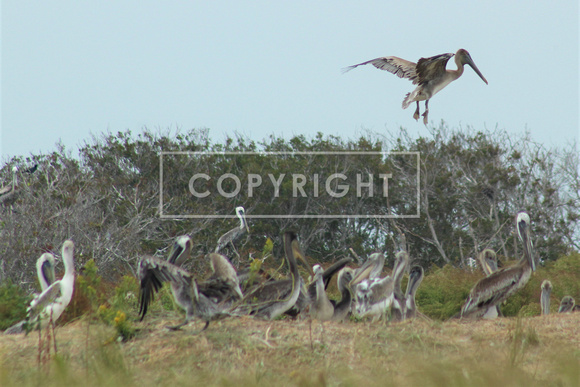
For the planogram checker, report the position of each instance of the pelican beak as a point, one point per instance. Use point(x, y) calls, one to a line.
point(469, 61)
point(298, 254)
point(527, 241)
point(363, 272)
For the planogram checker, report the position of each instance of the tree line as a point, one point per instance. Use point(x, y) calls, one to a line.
point(450, 194)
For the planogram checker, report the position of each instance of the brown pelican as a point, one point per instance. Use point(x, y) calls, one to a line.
point(269, 300)
point(398, 308)
point(45, 273)
point(375, 296)
point(372, 268)
point(321, 308)
point(545, 296)
point(48, 306)
point(234, 233)
point(342, 307)
point(429, 73)
point(8, 192)
point(567, 305)
point(488, 260)
point(154, 271)
point(496, 288)
point(415, 278)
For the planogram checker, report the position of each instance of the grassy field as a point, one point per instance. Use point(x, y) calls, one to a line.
point(531, 351)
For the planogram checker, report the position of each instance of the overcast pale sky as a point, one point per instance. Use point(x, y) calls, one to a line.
point(72, 68)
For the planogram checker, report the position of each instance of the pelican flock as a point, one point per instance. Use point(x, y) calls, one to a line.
point(429, 74)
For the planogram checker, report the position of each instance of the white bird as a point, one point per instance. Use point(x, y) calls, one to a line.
point(49, 305)
point(45, 273)
point(545, 297)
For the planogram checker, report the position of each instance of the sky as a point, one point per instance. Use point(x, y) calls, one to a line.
point(73, 69)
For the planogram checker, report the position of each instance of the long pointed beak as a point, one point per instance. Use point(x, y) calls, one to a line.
point(474, 67)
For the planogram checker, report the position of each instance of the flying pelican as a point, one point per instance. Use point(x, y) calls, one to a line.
point(488, 260)
point(545, 297)
point(234, 233)
point(429, 73)
point(567, 305)
point(496, 288)
point(398, 310)
point(153, 271)
point(8, 192)
point(415, 278)
point(48, 306)
point(45, 273)
point(342, 307)
point(269, 300)
point(321, 308)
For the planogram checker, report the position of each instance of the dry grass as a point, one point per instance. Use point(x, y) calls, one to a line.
point(508, 352)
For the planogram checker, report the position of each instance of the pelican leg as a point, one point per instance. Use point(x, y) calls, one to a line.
point(426, 112)
point(202, 329)
point(177, 327)
point(416, 114)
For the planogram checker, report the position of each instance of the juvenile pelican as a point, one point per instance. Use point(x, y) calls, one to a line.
point(342, 307)
point(415, 278)
point(496, 288)
point(372, 268)
point(375, 296)
point(234, 233)
point(48, 306)
point(488, 260)
point(398, 309)
point(429, 73)
point(545, 297)
point(45, 270)
point(45, 273)
point(223, 285)
point(271, 299)
point(321, 308)
point(7, 193)
point(153, 271)
point(567, 305)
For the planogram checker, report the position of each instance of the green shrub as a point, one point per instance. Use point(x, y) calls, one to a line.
point(13, 304)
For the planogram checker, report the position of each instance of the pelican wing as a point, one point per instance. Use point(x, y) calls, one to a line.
point(225, 276)
point(492, 290)
point(152, 273)
point(400, 67)
point(43, 300)
point(432, 68)
point(381, 289)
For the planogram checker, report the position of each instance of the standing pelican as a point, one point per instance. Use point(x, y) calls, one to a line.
point(45, 273)
point(545, 297)
point(49, 305)
point(321, 308)
point(154, 271)
point(342, 307)
point(223, 285)
point(8, 192)
point(398, 309)
point(567, 305)
point(415, 278)
point(45, 270)
point(269, 300)
point(488, 260)
point(496, 288)
point(234, 233)
point(429, 73)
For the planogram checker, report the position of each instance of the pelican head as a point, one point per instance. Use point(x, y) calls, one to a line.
point(463, 57)
point(241, 213)
point(181, 250)
point(372, 268)
point(523, 226)
point(488, 260)
point(545, 297)
point(317, 270)
point(567, 304)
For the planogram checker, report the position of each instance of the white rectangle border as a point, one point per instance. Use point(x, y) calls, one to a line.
point(250, 216)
